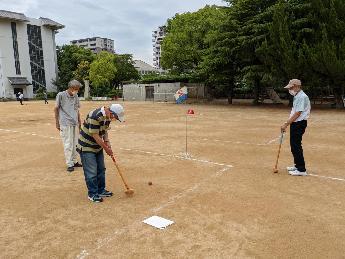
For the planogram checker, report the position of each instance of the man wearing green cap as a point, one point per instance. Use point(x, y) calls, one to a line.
point(93, 138)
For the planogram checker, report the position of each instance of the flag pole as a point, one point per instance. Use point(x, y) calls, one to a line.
point(186, 134)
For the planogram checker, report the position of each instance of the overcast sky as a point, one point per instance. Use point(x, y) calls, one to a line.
point(129, 22)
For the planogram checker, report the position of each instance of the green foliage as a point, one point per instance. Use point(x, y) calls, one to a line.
point(40, 93)
point(68, 59)
point(51, 95)
point(253, 44)
point(105, 70)
point(115, 93)
point(125, 69)
point(186, 38)
point(165, 78)
point(102, 71)
point(82, 71)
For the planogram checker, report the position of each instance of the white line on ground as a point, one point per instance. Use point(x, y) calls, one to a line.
point(28, 133)
point(328, 177)
point(189, 190)
point(211, 140)
point(157, 154)
point(272, 141)
point(177, 157)
point(173, 199)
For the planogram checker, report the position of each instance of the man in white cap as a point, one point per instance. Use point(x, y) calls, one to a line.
point(93, 138)
point(298, 123)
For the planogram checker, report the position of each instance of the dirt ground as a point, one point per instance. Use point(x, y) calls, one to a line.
point(225, 200)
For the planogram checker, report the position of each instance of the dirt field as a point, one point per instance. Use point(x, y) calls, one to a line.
point(225, 201)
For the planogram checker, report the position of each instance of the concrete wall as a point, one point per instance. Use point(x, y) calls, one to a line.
point(2, 89)
point(165, 91)
point(195, 90)
point(134, 92)
point(162, 91)
point(7, 57)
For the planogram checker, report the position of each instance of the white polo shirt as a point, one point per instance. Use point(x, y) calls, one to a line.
point(301, 103)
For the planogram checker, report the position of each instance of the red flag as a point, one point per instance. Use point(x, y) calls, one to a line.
point(190, 111)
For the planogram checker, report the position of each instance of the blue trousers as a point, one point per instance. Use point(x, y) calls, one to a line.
point(94, 171)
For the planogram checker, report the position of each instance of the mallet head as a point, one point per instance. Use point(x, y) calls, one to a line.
point(129, 192)
point(275, 170)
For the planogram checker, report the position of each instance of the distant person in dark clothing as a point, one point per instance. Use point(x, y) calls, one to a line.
point(45, 98)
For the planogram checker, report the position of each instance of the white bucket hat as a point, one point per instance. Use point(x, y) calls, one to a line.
point(118, 110)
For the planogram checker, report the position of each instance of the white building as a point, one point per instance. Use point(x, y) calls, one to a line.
point(27, 54)
point(157, 38)
point(95, 44)
point(144, 69)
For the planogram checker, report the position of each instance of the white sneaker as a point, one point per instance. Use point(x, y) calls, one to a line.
point(298, 173)
point(291, 168)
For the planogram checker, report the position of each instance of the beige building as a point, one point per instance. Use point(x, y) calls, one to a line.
point(95, 44)
point(27, 54)
point(144, 69)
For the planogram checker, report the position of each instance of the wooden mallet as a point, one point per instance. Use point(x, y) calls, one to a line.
point(128, 191)
point(275, 169)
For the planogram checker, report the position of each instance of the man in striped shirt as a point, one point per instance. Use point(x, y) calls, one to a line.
point(93, 138)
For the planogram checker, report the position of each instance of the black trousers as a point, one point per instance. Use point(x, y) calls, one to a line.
point(21, 101)
point(297, 130)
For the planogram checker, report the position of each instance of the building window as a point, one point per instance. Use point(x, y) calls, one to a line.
point(15, 47)
point(36, 57)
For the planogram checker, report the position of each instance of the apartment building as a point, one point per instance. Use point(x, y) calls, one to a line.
point(27, 54)
point(157, 38)
point(95, 44)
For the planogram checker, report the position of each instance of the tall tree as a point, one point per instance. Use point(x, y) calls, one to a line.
point(68, 59)
point(102, 72)
point(82, 71)
point(327, 56)
point(218, 66)
point(125, 69)
point(252, 19)
point(185, 43)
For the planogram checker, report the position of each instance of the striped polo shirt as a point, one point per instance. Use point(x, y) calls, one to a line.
point(95, 123)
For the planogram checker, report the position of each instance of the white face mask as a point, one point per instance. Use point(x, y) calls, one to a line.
point(292, 92)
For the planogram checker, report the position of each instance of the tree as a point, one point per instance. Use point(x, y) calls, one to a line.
point(252, 19)
point(102, 72)
point(218, 66)
point(327, 55)
point(125, 69)
point(82, 71)
point(185, 43)
point(68, 59)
